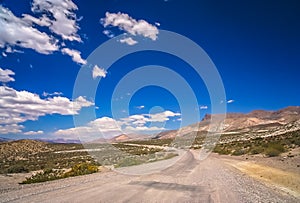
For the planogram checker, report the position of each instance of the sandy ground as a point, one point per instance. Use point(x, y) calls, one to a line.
point(283, 162)
point(282, 171)
point(215, 179)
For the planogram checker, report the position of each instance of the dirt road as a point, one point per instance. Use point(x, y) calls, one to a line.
point(190, 180)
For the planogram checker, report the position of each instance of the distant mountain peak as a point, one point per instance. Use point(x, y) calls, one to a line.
point(255, 121)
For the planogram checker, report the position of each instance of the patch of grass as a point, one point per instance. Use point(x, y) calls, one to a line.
point(129, 161)
point(256, 150)
point(221, 149)
point(18, 168)
point(271, 152)
point(274, 149)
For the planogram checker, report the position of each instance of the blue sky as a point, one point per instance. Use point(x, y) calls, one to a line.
point(253, 44)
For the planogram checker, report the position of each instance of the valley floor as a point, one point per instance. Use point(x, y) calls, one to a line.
point(216, 179)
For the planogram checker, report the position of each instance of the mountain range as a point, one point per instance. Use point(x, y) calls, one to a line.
point(257, 123)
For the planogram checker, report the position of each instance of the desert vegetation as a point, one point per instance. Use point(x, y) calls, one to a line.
point(158, 142)
point(50, 161)
point(269, 146)
point(54, 174)
point(128, 154)
point(29, 155)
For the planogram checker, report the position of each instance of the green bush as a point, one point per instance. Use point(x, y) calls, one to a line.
point(271, 152)
point(221, 150)
point(277, 146)
point(129, 161)
point(238, 152)
point(81, 169)
point(46, 175)
point(17, 169)
point(296, 141)
point(52, 174)
point(256, 150)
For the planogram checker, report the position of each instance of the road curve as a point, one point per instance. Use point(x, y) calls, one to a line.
point(189, 180)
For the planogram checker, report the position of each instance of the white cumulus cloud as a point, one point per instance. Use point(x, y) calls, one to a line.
point(16, 107)
point(11, 128)
point(16, 31)
point(131, 129)
point(111, 127)
point(40, 132)
point(203, 107)
point(98, 72)
point(141, 119)
point(63, 21)
point(162, 117)
point(92, 130)
point(25, 32)
point(129, 41)
point(20, 106)
point(43, 21)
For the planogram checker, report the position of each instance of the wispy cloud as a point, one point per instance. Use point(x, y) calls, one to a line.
point(203, 107)
point(5, 75)
point(131, 26)
point(108, 33)
point(46, 94)
point(76, 55)
point(140, 107)
point(144, 129)
point(230, 101)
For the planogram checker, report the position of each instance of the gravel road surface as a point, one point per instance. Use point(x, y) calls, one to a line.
point(189, 180)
